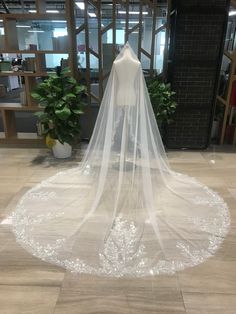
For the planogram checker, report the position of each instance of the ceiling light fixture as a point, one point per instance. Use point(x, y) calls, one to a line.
point(35, 31)
point(32, 11)
point(231, 13)
point(52, 11)
point(80, 5)
point(23, 26)
point(58, 21)
point(133, 12)
point(92, 14)
point(130, 22)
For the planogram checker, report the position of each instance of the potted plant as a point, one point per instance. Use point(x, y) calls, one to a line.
point(163, 102)
point(61, 98)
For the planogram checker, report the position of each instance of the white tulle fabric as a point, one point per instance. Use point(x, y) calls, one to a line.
point(122, 211)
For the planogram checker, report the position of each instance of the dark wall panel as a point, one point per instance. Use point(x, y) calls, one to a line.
point(196, 48)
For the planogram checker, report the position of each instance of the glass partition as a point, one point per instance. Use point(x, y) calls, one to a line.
point(103, 28)
point(42, 35)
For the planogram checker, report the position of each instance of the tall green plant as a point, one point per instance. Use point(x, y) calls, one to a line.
point(163, 100)
point(61, 97)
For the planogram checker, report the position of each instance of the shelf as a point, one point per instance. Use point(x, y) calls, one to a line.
point(35, 51)
point(21, 138)
point(21, 73)
point(27, 141)
point(10, 45)
point(34, 16)
point(18, 107)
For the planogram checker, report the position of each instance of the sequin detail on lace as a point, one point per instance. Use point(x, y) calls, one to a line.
point(122, 254)
point(122, 250)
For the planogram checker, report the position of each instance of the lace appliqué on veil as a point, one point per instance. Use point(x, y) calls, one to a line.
point(122, 254)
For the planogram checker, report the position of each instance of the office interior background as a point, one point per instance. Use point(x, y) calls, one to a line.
point(189, 44)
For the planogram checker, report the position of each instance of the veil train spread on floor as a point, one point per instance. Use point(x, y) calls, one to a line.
point(122, 211)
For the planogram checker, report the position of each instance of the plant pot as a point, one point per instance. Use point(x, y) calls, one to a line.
point(61, 150)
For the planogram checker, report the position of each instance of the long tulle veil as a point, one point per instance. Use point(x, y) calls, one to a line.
point(122, 211)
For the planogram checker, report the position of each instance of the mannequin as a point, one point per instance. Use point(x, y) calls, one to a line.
point(126, 69)
point(126, 94)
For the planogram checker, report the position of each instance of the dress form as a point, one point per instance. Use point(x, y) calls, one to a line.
point(126, 94)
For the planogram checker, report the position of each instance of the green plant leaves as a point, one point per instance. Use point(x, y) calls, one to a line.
point(36, 96)
point(65, 71)
point(62, 100)
point(63, 114)
point(77, 111)
point(42, 116)
point(79, 89)
point(60, 104)
point(162, 99)
point(70, 80)
point(69, 96)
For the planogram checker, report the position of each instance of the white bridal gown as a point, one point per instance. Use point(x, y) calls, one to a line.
point(122, 211)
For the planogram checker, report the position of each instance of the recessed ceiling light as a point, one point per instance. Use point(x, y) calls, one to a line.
point(80, 5)
point(231, 13)
point(52, 11)
point(23, 26)
point(133, 12)
point(58, 21)
point(35, 31)
point(32, 11)
point(130, 22)
point(92, 14)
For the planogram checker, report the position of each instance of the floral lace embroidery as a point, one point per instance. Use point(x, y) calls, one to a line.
point(121, 254)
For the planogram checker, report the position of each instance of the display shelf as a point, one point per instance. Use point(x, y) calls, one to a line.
point(23, 136)
point(27, 51)
point(21, 73)
point(22, 140)
point(227, 97)
point(10, 134)
point(18, 107)
point(11, 45)
point(228, 108)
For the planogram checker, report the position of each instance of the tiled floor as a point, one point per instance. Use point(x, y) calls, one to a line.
point(28, 285)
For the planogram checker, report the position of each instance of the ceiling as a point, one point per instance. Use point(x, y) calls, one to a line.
point(21, 6)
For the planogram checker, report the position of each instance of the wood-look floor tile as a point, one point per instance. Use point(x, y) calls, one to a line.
point(209, 303)
point(213, 276)
point(31, 275)
point(28, 299)
point(13, 254)
point(92, 294)
point(29, 285)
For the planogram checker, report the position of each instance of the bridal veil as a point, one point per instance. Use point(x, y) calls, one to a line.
point(122, 211)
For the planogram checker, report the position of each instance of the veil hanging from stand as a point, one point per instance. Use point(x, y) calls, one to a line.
point(122, 211)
